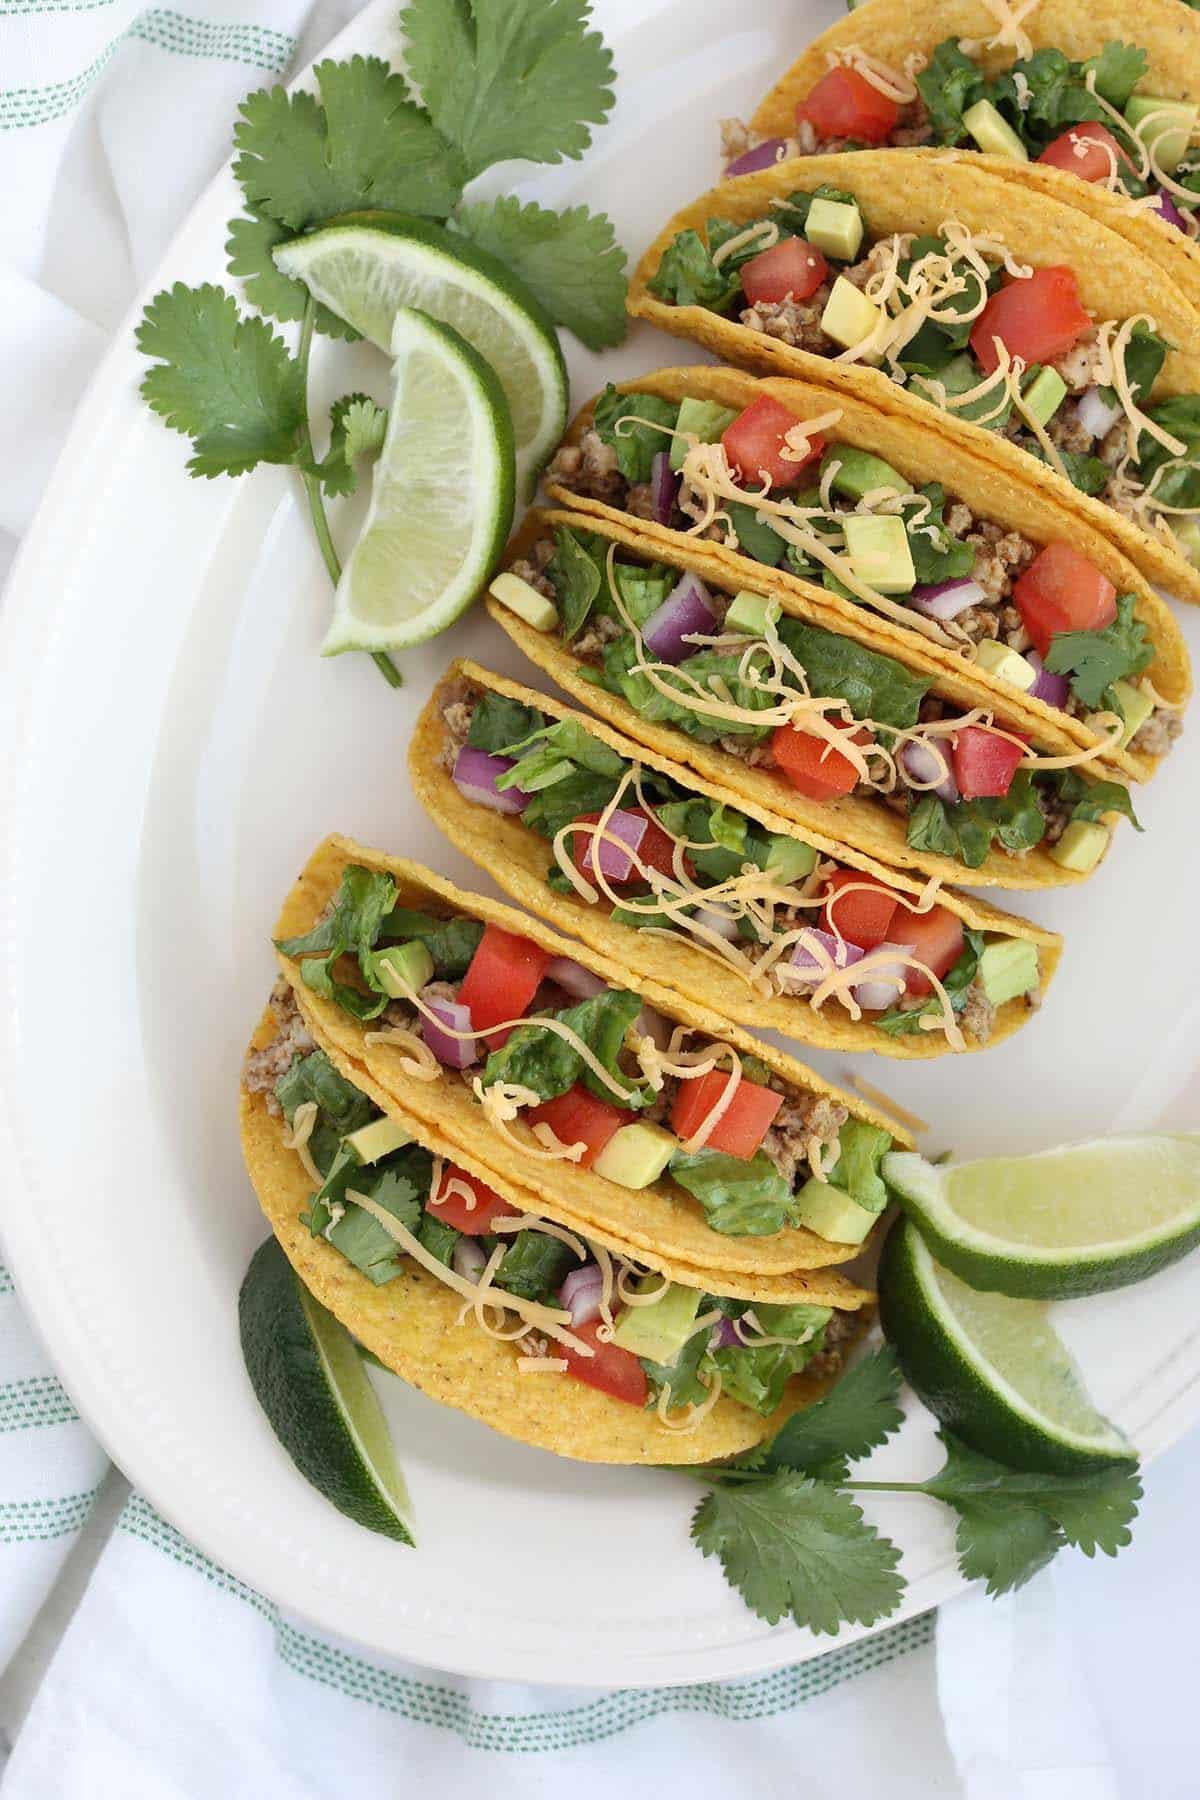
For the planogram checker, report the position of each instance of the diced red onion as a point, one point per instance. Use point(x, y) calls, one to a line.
point(1055, 690)
point(724, 1335)
point(475, 775)
point(577, 981)
point(651, 1024)
point(580, 1293)
point(946, 599)
point(615, 859)
point(1164, 205)
point(1097, 415)
point(808, 969)
point(451, 1052)
point(884, 982)
point(926, 765)
point(664, 486)
point(467, 1258)
point(763, 156)
point(687, 610)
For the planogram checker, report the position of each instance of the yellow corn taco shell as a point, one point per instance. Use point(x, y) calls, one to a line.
point(857, 822)
point(891, 30)
point(659, 1221)
point(519, 861)
point(412, 1325)
point(991, 491)
point(912, 190)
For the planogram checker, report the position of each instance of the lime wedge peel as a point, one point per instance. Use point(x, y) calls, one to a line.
point(441, 500)
point(367, 266)
point(991, 1369)
point(1082, 1219)
point(308, 1375)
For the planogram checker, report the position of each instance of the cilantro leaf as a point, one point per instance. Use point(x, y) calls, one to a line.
point(852, 1419)
point(967, 829)
point(364, 143)
point(948, 84)
point(1095, 659)
point(577, 571)
point(509, 78)
point(793, 1548)
point(497, 721)
point(1091, 799)
point(570, 261)
point(248, 255)
point(1012, 1522)
point(227, 382)
point(357, 429)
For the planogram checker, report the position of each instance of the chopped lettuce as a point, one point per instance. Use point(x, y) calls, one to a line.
point(540, 1059)
point(636, 443)
point(534, 1265)
point(757, 1376)
point(937, 554)
point(861, 1149)
point(741, 1197)
point(620, 677)
point(956, 981)
point(873, 686)
point(497, 721)
point(450, 942)
point(577, 572)
point(967, 830)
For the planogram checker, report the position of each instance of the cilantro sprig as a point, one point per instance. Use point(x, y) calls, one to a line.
point(791, 1538)
point(488, 80)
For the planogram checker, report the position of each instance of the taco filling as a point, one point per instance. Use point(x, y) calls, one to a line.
point(784, 917)
point(1085, 117)
point(568, 1306)
point(601, 1080)
point(957, 321)
point(829, 716)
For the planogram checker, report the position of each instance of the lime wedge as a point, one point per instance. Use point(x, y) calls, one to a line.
point(441, 499)
point(308, 1375)
point(992, 1370)
point(366, 266)
point(1078, 1220)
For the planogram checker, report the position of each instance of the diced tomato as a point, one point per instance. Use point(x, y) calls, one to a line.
point(790, 269)
point(864, 916)
point(935, 937)
point(845, 105)
point(984, 762)
point(1085, 150)
point(1036, 319)
point(1062, 591)
point(613, 1370)
point(504, 975)
point(742, 1126)
point(754, 444)
point(578, 1117)
point(453, 1209)
point(656, 850)
point(817, 771)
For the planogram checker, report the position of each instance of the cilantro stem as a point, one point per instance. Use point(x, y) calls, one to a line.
point(316, 499)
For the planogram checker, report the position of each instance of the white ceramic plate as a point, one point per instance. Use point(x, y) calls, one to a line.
point(173, 748)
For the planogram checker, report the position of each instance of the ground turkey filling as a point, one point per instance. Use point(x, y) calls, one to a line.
point(978, 1015)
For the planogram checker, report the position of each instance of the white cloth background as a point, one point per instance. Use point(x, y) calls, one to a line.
point(133, 1669)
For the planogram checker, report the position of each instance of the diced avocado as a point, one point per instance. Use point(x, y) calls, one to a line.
point(959, 376)
point(849, 316)
point(380, 1138)
point(878, 548)
point(636, 1155)
point(1007, 968)
point(403, 967)
point(790, 860)
point(749, 613)
point(1189, 540)
point(1044, 395)
point(659, 1332)
point(525, 601)
point(993, 133)
point(832, 1214)
point(1005, 664)
point(704, 420)
point(1136, 708)
point(836, 227)
point(1166, 127)
point(1081, 846)
point(858, 473)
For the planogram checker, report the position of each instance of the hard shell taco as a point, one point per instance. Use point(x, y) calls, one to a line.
point(677, 881)
point(949, 558)
point(482, 1303)
point(777, 698)
point(1020, 327)
point(624, 1111)
point(1094, 105)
